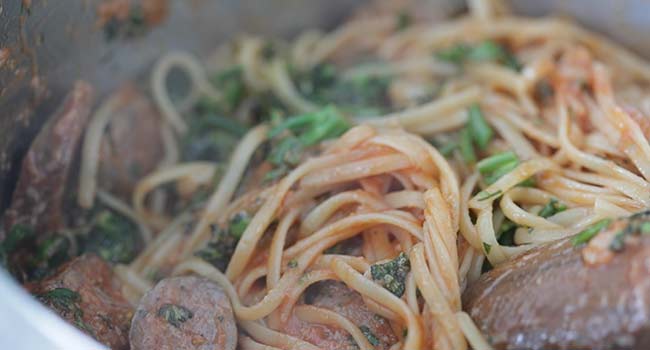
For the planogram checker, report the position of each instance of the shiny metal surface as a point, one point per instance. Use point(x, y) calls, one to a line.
point(59, 42)
point(26, 324)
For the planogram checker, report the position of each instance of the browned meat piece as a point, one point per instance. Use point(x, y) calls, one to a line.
point(549, 298)
point(336, 296)
point(185, 312)
point(38, 198)
point(132, 145)
point(85, 292)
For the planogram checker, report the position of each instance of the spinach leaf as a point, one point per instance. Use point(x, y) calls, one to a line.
point(392, 274)
point(551, 208)
point(220, 248)
point(66, 302)
point(175, 314)
point(290, 137)
point(359, 95)
point(113, 237)
point(372, 338)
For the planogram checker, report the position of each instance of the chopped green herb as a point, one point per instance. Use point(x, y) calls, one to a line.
point(212, 135)
point(455, 54)
point(392, 274)
point(269, 51)
point(66, 302)
point(288, 151)
point(403, 20)
point(372, 339)
point(587, 234)
point(551, 208)
point(293, 263)
point(480, 130)
point(507, 238)
point(448, 148)
point(405, 332)
point(238, 224)
point(357, 95)
point(638, 224)
point(618, 242)
point(495, 167)
point(487, 247)
point(506, 233)
point(62, 298)
point(315, 126)
point(17, 235)
point(304, 278)
point(495, 162)
point(506, 226)
point(210, 116)
point(484, 51)
point(529, 182)
point(499, 173)
point(645, 228)
point(484, 195)
point(53, 251)
point(321, 77)
point(221, 246)
point(230, 82)
point(219, 249)
point(466, 147)
point(290, 137)
point(175, 314)
point(275, 173)
point(361, 95)
point(113, 237)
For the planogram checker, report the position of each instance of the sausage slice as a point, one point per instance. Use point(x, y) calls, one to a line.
point(85, 293)
point(184, 312)
point(337, 297)
point(550, 298)
point(132, 145)
point(38, 199)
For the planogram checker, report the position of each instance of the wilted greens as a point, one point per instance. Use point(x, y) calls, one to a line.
point(113, 237)
point(291, 136)
point(484, 51)
point(392, 274)
point(358, 95)
point(175, 314)
point(66, 302)
point(224, 240)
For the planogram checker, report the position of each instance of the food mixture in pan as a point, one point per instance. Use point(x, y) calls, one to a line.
point(397, 183)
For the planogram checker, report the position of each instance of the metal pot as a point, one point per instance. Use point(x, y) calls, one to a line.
point(46, 45)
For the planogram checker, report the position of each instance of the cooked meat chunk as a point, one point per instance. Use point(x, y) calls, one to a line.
point(185, 312)
point(550, 298)
point(85, 292)
point(132, 145)
point(38, 198)
point(336, 296)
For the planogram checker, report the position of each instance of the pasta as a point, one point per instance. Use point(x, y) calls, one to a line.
point(384, 153)
point(510, 133)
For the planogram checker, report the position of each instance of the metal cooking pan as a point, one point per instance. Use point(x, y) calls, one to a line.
point(47, 45)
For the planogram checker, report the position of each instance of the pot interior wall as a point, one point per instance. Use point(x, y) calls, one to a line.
point(45, 47)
